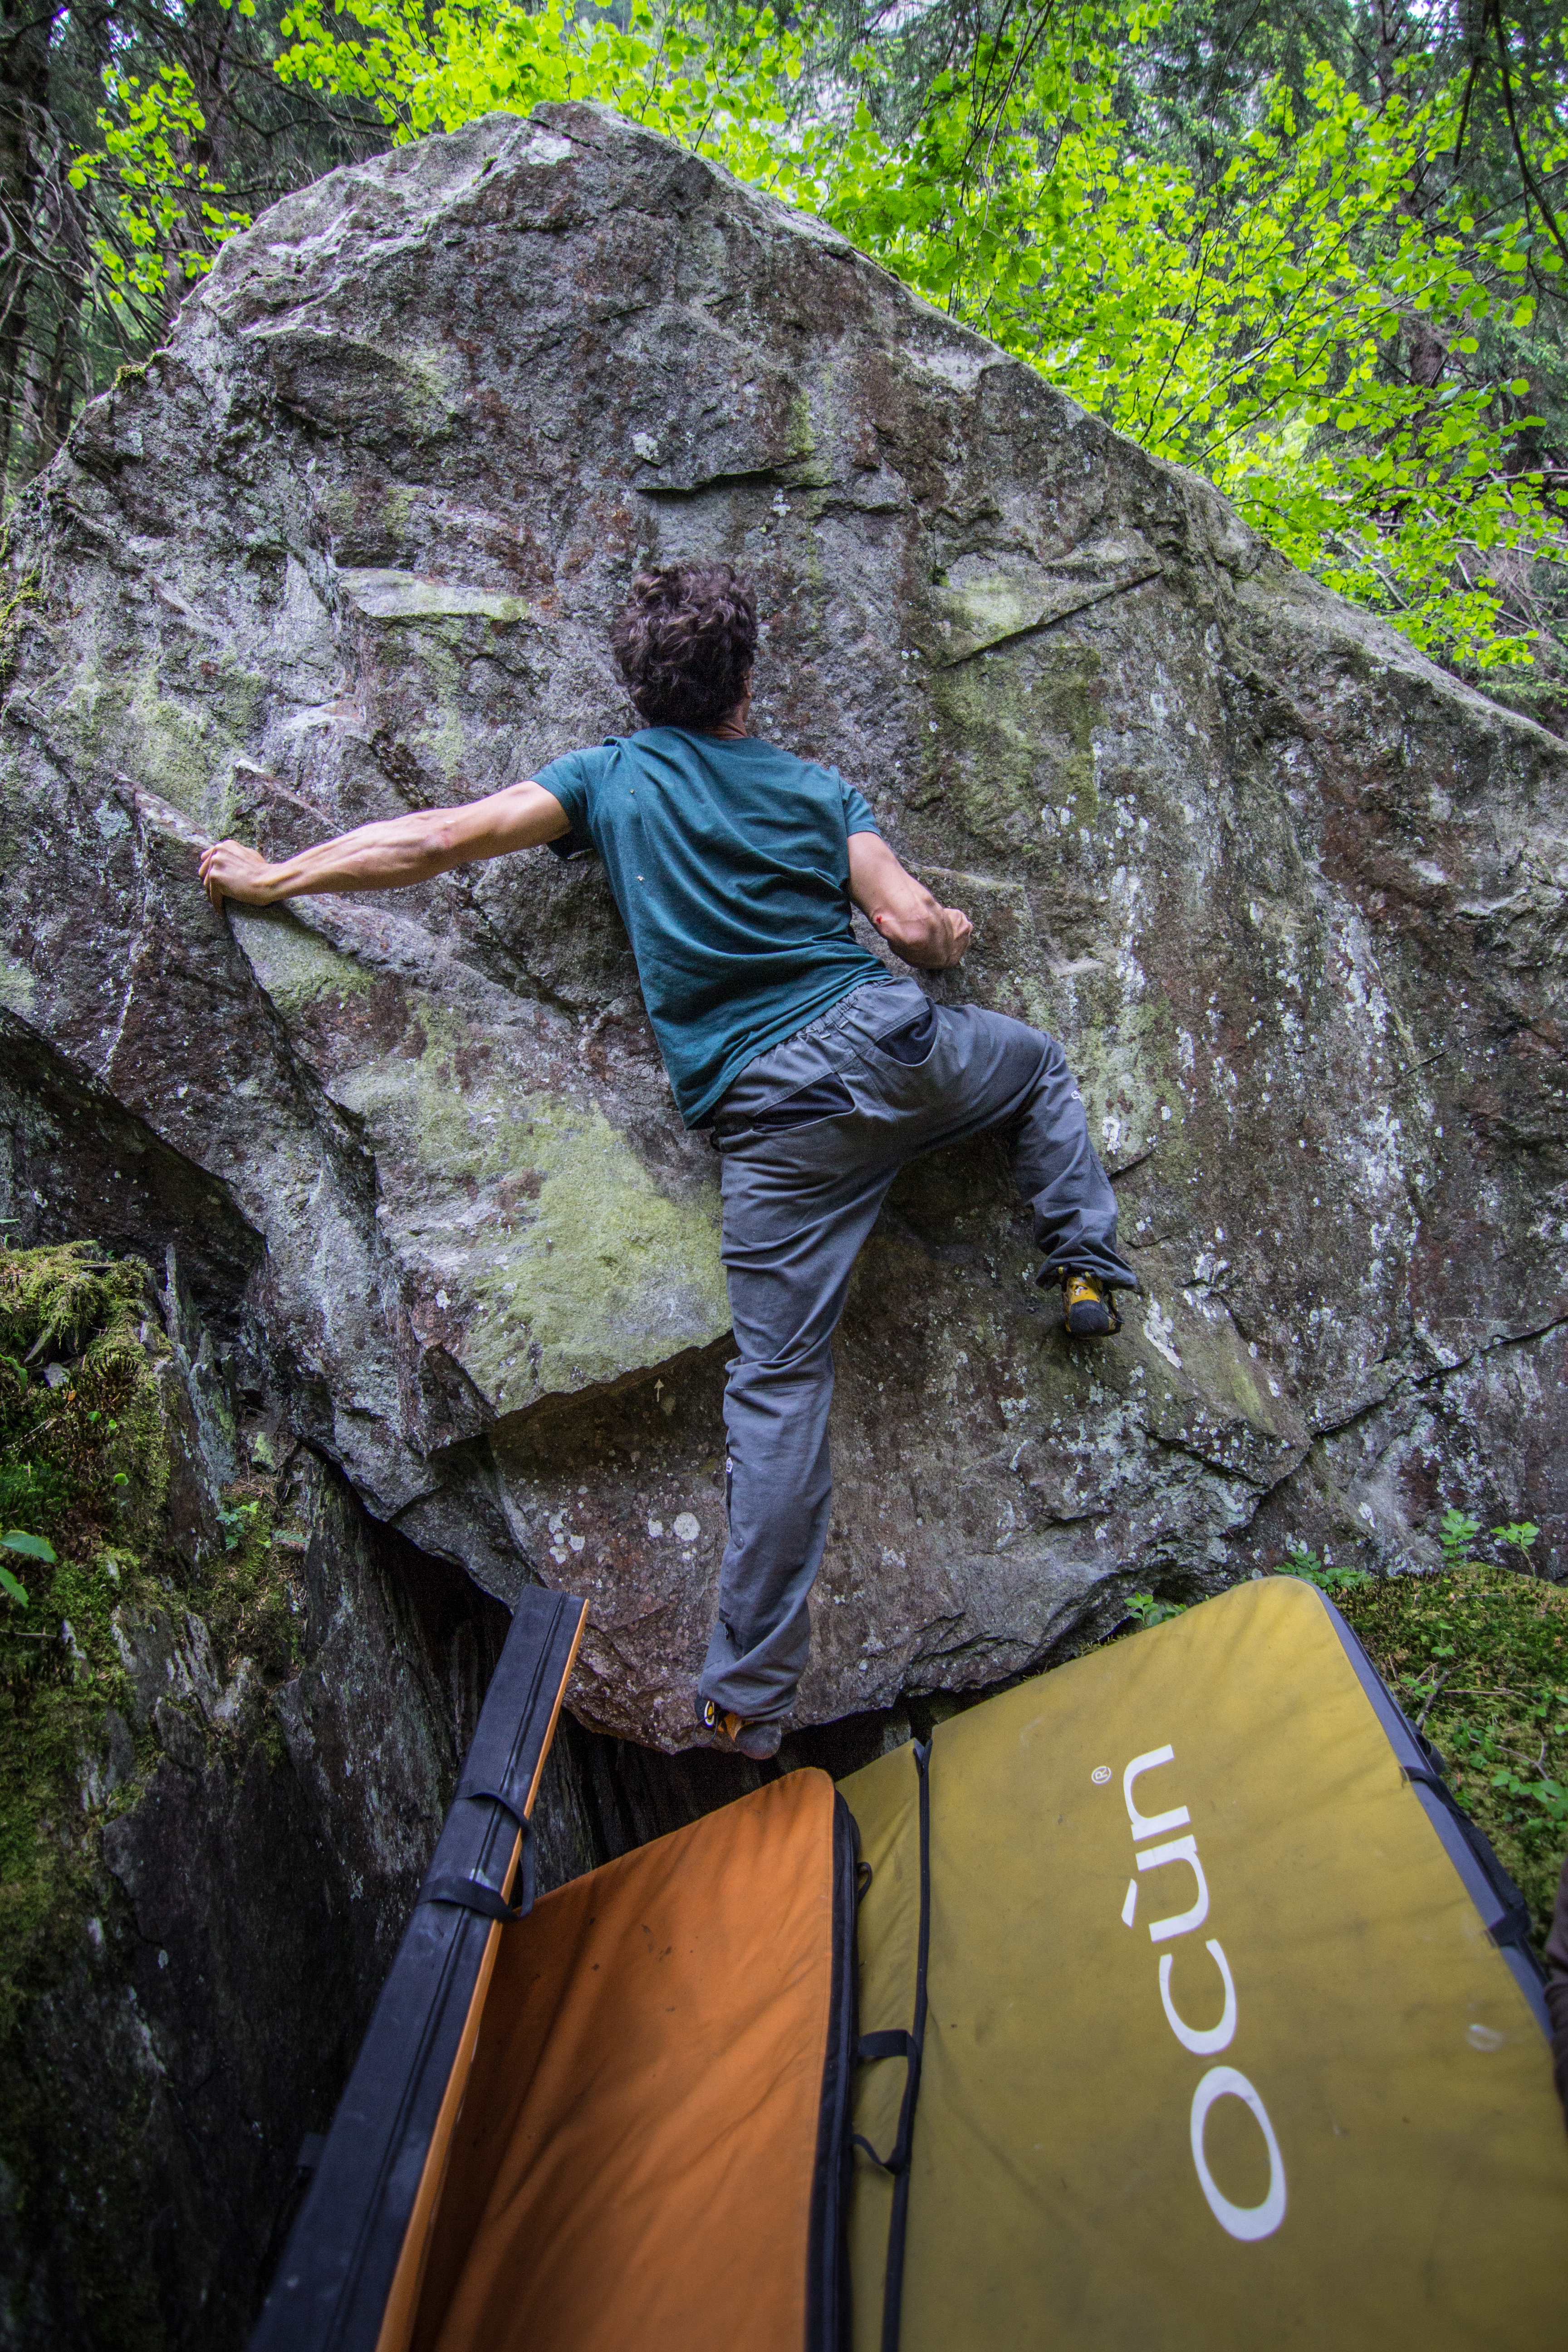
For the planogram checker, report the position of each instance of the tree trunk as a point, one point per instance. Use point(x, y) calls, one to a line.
point(23, 104)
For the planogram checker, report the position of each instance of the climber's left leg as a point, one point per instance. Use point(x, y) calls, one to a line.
point(799, 1200)
point(791, 1237)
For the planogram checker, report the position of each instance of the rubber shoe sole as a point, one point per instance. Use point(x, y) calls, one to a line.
point(1089, 1312)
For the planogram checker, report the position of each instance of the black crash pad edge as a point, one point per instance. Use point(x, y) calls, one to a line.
point(329, 2292)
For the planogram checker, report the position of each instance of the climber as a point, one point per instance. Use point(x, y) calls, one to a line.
point(817, 1073)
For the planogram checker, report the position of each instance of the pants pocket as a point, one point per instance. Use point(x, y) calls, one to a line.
point(823, 1097)
point(913, 1041)
point(743, 1118)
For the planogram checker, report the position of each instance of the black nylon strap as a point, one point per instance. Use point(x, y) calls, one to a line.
point(469, 1894)
point(501, 1797)
point(893, 2041)
point(330, 2289)
point(473, 1894)
point(1514, 1927)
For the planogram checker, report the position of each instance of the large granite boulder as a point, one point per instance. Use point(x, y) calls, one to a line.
point(1291, 897)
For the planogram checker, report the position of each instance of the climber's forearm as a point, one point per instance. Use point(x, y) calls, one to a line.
point(391, 855)
point(386, 856)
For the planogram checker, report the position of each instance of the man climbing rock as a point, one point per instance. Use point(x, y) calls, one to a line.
point(819, 1076)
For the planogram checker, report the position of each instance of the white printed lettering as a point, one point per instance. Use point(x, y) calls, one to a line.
point(1182, 1923)
point(1152, 1824)
point(1247, 2222)
point(1209, 2041)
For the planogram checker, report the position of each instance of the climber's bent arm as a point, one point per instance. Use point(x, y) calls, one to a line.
point(389, 857)
point(918, 929)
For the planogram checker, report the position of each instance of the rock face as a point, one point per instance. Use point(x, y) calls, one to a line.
point(223, 1782)
point(1292, 898)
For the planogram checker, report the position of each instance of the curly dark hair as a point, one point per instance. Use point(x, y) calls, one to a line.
point(686, 642)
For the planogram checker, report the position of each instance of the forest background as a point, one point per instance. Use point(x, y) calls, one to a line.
point(1318, 252)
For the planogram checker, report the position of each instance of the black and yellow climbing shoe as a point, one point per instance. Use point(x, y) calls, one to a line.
point(1090, 1306)
point(757, 1740)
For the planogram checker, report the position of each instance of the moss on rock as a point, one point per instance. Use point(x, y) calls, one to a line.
point(89, 1428)
point(561, 1262)
point(292, 964)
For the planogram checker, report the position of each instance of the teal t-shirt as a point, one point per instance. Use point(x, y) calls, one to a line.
point(730, 863)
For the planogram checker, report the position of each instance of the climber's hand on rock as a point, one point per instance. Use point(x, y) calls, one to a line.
point(960, 931)
point(934, 940)
point(229, 870)
point(932, 937)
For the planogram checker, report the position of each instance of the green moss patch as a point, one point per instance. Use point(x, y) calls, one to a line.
point(292, 964)
point(152, 1566)
point(85, 1454)
point(80, 1427)
point(578, 1266)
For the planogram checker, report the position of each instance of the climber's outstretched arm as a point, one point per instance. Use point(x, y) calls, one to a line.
point(917, 928)
point(389, 857)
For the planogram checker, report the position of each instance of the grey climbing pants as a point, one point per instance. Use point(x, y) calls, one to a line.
point(813, 1132)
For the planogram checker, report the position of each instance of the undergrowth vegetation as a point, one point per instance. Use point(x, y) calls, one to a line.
point(1477, 1658)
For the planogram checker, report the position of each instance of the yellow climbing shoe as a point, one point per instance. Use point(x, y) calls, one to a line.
point(1091, 1314)
point(758, 1740)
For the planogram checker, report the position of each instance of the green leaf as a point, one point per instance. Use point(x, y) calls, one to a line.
point(1456, 1534)
point(31, 1547)
point(1146, 1610)
point(11, 1588)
